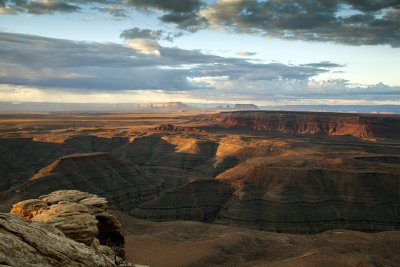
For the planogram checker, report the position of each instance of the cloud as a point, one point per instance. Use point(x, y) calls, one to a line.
point(37, 7)
point(349, 22)
point(144, 46)
point(245, 53)
point(324, 64)
point(173, 6)
point(182, 13)
point(116, 12)
point(40, 7)
point(50, 64)
point(34, 61)
point(136, 33)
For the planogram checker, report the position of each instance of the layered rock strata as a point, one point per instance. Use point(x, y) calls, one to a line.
point(288, 200)
point(200, 200)
point(124, 184)
point(20, 158)
point(31, 243)
point(358, 125)
point(81, 216)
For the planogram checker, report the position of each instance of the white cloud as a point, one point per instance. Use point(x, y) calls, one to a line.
point(145, 47)
point(245, 53)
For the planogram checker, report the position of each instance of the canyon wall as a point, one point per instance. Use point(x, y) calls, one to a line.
point(358, 125)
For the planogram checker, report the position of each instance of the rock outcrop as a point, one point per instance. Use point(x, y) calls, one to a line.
point(29, 208)
point(81, 216)
point(358, 125)
point(29, 243)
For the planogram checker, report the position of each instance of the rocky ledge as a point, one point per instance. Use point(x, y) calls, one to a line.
point(64, 228)
point(27, 243)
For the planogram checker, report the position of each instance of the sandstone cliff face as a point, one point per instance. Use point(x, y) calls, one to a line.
point(357, 125)
point(80, 216)
point(122, 183)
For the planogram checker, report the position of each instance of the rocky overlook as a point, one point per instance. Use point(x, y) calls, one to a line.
point(66, 227)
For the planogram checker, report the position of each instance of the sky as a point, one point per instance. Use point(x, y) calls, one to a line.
point(266, 52)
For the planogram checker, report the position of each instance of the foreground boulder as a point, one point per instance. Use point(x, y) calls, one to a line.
point(80, 216)
point(29, 243)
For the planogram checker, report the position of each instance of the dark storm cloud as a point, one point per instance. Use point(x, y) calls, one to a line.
point(363, 22)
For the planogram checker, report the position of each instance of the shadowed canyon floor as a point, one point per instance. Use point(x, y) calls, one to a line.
point(183, 243)
point(291, 172)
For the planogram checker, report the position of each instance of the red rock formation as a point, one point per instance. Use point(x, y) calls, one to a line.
point(358, 125)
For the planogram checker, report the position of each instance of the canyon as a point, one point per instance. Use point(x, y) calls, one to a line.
point(260, 171)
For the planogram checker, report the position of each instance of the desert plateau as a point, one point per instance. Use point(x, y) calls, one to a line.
point(199, 133)
point(244, 188)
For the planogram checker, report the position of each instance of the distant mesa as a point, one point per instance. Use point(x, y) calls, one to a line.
point(245, 107)
point(171, 106)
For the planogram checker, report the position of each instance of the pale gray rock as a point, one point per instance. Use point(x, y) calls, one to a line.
point(73, 219)
point(27, 243)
